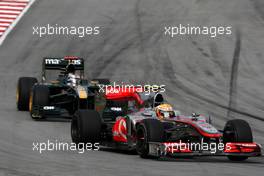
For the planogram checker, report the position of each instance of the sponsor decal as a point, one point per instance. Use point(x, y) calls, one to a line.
point(48, 107)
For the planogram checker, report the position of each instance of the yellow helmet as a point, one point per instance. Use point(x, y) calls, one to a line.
point(164, 111)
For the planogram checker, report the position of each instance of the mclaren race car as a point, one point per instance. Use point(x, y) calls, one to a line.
point(61, 91)
point(132, 120)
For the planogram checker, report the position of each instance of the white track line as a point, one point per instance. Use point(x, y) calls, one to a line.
point(18, 1)
point(7, 16)
point(12, 4)
point(9, 12)
point(6, 20)
point(4, 35)
point(10, 7)
point(21, 0)
point(4, 24)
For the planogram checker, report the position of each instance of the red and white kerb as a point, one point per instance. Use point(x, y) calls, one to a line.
point(9, 12)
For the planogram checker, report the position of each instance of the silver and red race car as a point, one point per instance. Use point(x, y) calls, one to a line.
point(132, 120)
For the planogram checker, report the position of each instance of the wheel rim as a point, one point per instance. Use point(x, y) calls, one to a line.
point(74, 131)
point(141, 139)
point(17, 95)
point(30, 102)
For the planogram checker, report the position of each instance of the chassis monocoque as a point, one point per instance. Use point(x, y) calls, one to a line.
point(119, 125)
point(56, 98)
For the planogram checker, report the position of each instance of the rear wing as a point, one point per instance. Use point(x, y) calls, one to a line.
point(61, 63)
point(56, 63)
point(138, 93)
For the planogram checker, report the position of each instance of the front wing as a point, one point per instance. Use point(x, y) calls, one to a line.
point(48, 111)
point(234, 149)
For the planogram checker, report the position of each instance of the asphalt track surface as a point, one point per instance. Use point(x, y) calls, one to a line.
point(132, 47)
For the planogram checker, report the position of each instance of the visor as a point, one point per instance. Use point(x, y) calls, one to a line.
point(167, 114)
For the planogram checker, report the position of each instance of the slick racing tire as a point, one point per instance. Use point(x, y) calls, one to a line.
point(86, 127)
point(149, 130)
point(102, 81)
point(38, 97)
point(24, 86)
point(237, 130)
point(75, 134)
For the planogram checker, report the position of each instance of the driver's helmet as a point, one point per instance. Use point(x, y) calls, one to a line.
point(72, 77)
point(164, 111)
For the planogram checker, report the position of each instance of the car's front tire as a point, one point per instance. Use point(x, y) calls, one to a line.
point(86, 127)
point(39, 97)
point(24, 87)
point(102, 81)
point(75, 134)
point(237, 130)
point(149, 130)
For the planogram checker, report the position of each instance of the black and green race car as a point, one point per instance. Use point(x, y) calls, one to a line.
point(61, 92)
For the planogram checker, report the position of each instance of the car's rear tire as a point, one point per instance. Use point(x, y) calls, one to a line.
point(102, 81)
point(149, 130)
point(24, 87)
point(75, 134)
point(39, 97)
point(237, 130)
point(86, 127)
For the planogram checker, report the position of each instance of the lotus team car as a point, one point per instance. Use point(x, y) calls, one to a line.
point(60, 93)
point(131, 120)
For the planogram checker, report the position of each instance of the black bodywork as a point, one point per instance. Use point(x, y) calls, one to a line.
point(64, 99)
